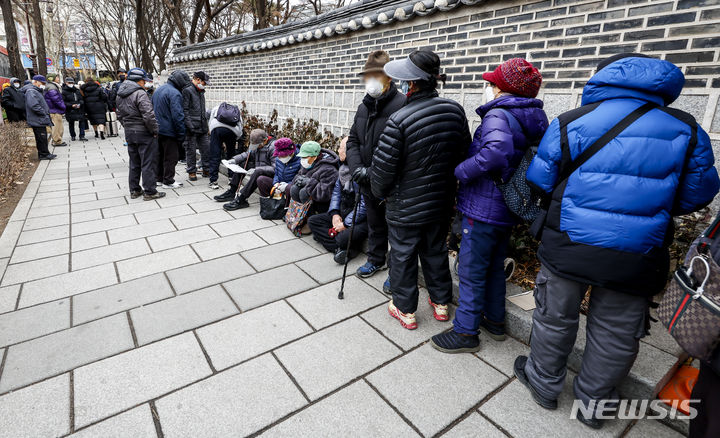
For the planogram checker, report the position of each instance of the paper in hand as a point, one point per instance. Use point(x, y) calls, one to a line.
point(233, 167)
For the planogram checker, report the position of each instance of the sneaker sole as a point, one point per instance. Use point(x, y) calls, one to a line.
point(456, 350)
point(371, 274)
point(436, 315)
point(495, 337)
point(409, 327)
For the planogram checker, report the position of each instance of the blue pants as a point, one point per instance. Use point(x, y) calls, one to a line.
point(482, 277)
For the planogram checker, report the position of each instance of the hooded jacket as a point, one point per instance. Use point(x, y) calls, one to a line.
point(13, 98)
point(285, 172)
point(73, 96)
point(54, 98)
point(496, 152)
point(112, 94)
point(320, 178)
point(415, 159)
point(369, 122)
point(196, 120)
point(37, 112)
point(342, 201)
point(610, 223)
point(95, 103)
point(168, 104)
point(134, 109)
point(261, 159)
point(215, 123)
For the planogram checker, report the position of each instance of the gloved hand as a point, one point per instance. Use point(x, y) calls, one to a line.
point(300, 181)
point(282, 186)
point(250, 171)
point(303, 195)
point(295, 193)
point(361, 175)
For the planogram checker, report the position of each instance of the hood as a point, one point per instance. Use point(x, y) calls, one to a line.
point(14, 80)
point(29, 86)
point(90, 86)
point(49, 86)
point(179, 79)
point(650, 79)
point(328, 157)
point(127, 88)
point(528, 112)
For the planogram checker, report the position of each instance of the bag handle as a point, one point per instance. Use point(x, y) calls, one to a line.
point(698, 293)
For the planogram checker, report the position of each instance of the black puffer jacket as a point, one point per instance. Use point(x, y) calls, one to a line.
point(414, 163)
point(370, 120)
point(134, 109)
point(319, 180)
point(196, 121)
point(95, 103)
point(73, 96)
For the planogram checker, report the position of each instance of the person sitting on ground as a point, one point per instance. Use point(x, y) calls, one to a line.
point(332, 229)
point(316, 180)
point(223, 133)
point(287, 165)
point(257, 160)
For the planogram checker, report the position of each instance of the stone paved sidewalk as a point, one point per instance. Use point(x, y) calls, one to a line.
point(174, 318)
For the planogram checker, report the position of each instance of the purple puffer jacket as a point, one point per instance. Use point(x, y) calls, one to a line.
point(54, 98)
point(495, 152)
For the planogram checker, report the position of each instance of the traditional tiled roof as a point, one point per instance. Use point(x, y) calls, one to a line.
point(357, 16)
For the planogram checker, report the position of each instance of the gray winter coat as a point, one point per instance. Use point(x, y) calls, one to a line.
point(196, 121)
point(37, 111)
point(134, 109)
point(260, 159)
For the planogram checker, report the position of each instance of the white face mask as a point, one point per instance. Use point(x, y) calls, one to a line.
point(71, 85)
point(374, 88)
point(489, 94)
point(252, 147)
point(305, 163)
point(148, 84)
point(285, 160)
point(16, 85)
point(404, 87)
point(200, 86)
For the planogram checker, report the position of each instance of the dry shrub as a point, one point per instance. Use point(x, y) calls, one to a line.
point(297, 130)
point(14, 156)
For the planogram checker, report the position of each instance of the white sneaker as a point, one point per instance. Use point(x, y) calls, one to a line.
point(175, 185)
point(214, 185)
point(158, 184)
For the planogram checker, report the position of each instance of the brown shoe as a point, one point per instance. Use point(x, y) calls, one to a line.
point(193, 177)
point(206, 174)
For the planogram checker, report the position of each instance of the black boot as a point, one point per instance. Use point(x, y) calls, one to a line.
point(96, 134)
point(102, 135)
point(237, 204)
point(229, 195)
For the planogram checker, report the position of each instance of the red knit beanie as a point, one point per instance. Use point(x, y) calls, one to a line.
point(516, 76)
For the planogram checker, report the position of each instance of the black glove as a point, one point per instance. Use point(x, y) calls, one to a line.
point(303, 195)
point(360, 175)
point(300, 181)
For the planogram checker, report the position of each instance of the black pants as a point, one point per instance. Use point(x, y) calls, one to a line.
point(378, 230)
point(321, 223)
point(71, 128)
point(251, 183)
point(707, 390)
point(41, 140)
point(14, 115)
point(428, 242)
point(143, 151)
point(220, 137)
point(167, 159)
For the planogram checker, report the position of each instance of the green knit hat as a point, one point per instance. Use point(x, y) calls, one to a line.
point(309, 149)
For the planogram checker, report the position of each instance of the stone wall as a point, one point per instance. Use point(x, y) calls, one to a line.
point(310, 71)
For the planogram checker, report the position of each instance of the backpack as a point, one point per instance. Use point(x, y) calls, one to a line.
point(228, 114)
point(520, 199)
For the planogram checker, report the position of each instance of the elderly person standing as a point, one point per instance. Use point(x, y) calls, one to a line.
point(54, 99)
point(196, 124)
point(37, 115)
point(168, 106)
point(75, 108)
point(13, 101)
point(413, 170)
point(512, 121)
point(381, 100)
point(135, 112)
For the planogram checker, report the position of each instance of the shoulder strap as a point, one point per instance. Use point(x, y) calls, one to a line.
point(585, 155)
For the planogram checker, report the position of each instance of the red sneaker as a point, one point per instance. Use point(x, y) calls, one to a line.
point(440, 311)
point(406, 319)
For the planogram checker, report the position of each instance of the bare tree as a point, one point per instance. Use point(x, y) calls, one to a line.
point(200, 20)
point(13, 47)
point(40, 40)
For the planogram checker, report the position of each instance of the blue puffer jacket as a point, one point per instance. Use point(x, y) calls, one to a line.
point(286, 172)
point(496, 152)
point(342, 201)
point(611, 223)
point(168, 105)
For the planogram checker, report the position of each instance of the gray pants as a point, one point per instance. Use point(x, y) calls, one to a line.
point(194, 142)
point(615, 324)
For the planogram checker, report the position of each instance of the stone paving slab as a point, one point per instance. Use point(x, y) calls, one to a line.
point(324, 269)
point(236, 243)
point(650, 428)
point(179, 238)
point(252, 333)
point(262, 288)
point(474, 426)
point(241, 225)
point(178, 314)
point(275, 234)
point(46, 221)
point(348, 350)
point(135, 423)
point(156, 262)
point(321, 307)
point(236, 402)
point(430, 405)
point(65, 285)
point(8, 297)
point(41, 410)
point(111, 385)
point(206, 218)
point(63, 351)
point(35, 269)
point(202, 274)
point(109, 254)
point(88, 241)
point(32, 322)
point(140, 231)
point(40, 250)
point(35, 236)
point(353, 411)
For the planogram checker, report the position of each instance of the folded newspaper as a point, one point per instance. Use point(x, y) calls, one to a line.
point(234, 167)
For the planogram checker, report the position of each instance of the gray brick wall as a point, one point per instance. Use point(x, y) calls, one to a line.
point(565, 39)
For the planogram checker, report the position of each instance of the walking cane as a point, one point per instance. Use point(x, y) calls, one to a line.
point(341, 294)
